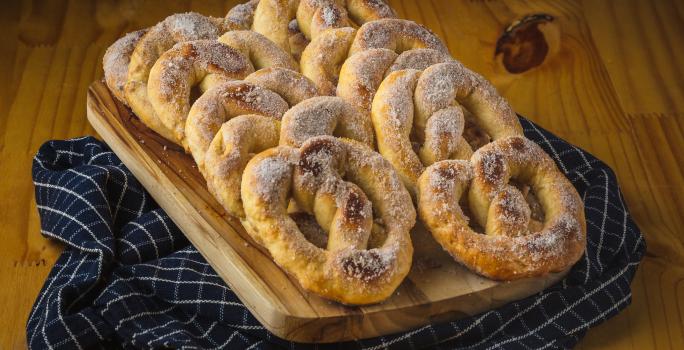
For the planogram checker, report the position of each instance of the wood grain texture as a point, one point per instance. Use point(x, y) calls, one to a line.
point(615, 89)
point(437, 288)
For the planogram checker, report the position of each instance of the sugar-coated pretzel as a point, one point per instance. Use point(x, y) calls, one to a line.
point(324, 115)
point(323, 58)
point(509, 248)
point(347, 270)
point(393, 120)
point(205, 63)
point(418, 120)
point(174, 29)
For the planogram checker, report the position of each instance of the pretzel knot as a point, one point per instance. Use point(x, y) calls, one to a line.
point(343, 184)
point(419, 117)
point(517, 242)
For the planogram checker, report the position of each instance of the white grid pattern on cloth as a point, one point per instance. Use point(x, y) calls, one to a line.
point(129, 278)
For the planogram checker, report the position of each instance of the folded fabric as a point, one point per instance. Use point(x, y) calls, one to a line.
point(128, 277)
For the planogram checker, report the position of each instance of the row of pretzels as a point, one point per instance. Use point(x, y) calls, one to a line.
point(323, 125)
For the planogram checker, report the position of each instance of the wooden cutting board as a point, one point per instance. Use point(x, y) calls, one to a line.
point(437, 289)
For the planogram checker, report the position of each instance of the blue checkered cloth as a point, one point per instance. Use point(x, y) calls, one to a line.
point(128, 277)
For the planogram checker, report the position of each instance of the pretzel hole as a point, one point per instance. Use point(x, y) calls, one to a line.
point(475, 135)
point(312, 231)
point(472, 223)
point(195, 93)
point(537, 215)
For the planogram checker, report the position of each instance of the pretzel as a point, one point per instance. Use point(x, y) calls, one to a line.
point(347, 270)
point(323, 57)
point(324, 115)
point(509, 248)
point(161, 37)
point(414, 109)
point(202, 62)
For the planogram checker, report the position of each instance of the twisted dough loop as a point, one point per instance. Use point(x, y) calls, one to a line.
point(260, 51)
point(291, 24)
point(116, 60)
point(174, 29)
point(324, 115)
point(290, 85)
point(203, 62)
point(346, 271)
point(508, 249)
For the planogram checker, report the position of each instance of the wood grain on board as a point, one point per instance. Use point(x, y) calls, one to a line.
point(614, 88)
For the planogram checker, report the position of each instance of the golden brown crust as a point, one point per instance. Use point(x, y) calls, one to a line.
point(345, 271)
point(508, 249)
point(260, 51)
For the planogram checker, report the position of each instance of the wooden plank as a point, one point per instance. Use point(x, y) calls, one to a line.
point(643, 55)
point(437, 288)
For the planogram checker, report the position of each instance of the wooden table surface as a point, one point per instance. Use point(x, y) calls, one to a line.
point(615, 87)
